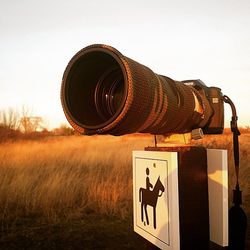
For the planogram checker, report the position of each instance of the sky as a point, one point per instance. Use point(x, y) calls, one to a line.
point(189, 39)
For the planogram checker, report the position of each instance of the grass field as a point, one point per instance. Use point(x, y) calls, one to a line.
point(58, 185)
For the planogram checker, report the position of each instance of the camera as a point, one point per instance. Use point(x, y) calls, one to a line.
point(214, 95)
point(105, 92)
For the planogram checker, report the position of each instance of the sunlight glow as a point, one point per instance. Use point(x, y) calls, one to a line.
point(208, 40)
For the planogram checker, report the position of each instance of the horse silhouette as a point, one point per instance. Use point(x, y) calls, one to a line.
point(148, 197)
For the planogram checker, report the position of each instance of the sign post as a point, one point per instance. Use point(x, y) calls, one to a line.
point(174, 190)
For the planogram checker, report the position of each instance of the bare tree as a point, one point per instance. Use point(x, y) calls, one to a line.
point(9, 119)
point(30, 123)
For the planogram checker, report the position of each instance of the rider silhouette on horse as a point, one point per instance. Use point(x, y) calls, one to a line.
point(149, 196)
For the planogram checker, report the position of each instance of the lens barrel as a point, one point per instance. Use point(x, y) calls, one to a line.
point(104, 92)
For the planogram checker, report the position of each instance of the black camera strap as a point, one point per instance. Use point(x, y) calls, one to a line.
point(237, 216)
point(236, 134)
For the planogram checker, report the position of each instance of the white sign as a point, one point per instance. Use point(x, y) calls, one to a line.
point(156, 197)
point(218, 195)
point(156, 205)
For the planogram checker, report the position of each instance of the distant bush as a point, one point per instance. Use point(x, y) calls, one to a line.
point(20, 124)
point(63, 130)
point(7, 134)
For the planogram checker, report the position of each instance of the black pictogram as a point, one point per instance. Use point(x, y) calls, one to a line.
point(149, 196)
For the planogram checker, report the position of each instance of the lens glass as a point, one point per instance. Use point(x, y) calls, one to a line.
point(95, 88)
point(109, 93)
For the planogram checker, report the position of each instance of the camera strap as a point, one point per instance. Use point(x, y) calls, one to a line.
point(236, 133)
point(237, 216)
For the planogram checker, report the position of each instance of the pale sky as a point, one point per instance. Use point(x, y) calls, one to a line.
point(207, 40)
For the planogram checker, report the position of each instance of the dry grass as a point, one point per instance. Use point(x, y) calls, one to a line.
point(67, 176)
point(71, 176)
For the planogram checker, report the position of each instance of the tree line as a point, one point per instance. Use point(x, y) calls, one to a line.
point(21, 124)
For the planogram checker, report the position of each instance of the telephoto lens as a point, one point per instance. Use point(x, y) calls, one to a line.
point(104, 92)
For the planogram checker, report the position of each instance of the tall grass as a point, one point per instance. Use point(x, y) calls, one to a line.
point(68, 177)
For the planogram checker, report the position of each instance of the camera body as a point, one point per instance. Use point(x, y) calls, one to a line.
point(214, 95)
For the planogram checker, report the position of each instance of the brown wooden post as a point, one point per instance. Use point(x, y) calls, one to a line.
point(193, 196)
